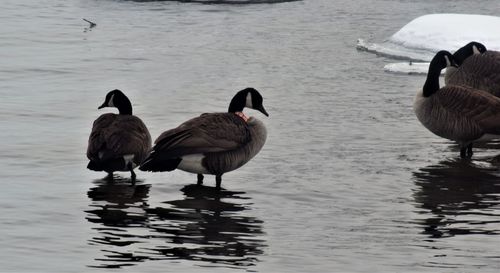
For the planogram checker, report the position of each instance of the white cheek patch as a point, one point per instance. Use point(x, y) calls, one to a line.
point(249, 100)
point(448, 63)
point(475, 50)
point(110, 102)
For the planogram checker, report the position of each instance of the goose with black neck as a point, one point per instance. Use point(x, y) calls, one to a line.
point(456, 112)
point(478, 68)
point(213, 143)
point(118, 142)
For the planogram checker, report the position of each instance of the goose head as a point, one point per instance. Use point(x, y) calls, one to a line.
point(117, 99)
point(248, 97)
point(468, 50)
point(441, 60)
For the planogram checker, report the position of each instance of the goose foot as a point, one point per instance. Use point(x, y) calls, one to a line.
point(218, 181)
point(200, 179)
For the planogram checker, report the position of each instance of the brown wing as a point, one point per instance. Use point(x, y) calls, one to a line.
point(97, 139)
point(480, 107)
point(479, 71)
point(117, 135)
point(213, 132)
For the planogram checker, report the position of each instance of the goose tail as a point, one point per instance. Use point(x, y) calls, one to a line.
point(108, 165)
point(152, 164)
point(94, 166)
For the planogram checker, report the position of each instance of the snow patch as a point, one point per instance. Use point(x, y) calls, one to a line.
point(420, 39)
point(408, 68)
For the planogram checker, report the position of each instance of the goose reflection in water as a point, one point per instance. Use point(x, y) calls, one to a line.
point(204, 227)
point(463, 197)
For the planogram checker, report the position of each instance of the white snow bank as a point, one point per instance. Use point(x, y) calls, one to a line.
point(436, 32)
point(421, 38)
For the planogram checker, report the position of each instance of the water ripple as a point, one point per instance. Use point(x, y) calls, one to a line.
point(458, 197)
point(206, 227)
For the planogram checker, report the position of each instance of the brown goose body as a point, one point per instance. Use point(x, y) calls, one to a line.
point(117, 137)
point(213, 143)
point(118, 142)
point(459, 113)
point(479, 71)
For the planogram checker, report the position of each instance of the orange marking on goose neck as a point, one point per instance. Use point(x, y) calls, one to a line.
point(241, 115)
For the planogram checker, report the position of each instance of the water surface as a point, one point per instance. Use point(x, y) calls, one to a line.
point(348, 180)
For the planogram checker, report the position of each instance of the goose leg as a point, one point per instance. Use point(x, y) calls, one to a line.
point(218, 181)
point(109, 177)
point(462, 152)
point(469, 151)
point(200, 179)
point(132, 173)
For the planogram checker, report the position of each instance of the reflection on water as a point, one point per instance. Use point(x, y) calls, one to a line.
point(203, 227)
point(462, 196)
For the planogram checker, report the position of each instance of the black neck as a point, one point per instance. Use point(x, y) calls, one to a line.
point(125, 110)
point(124, 106)
point(238, 102)
point(460, 55)
point(431, 85)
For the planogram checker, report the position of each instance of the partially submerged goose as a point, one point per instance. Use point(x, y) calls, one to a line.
point(459, 113)
point(213, 143)
point(477, 68)
point(118, 142)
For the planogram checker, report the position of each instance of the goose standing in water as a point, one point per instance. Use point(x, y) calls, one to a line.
point(118, 142)
point(459, 113)
point(478, 68)
point(213, 143)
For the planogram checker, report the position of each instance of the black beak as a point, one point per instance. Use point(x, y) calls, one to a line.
point(262, 110)
point(102, 106)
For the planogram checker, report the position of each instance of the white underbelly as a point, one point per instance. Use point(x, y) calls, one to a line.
point(193, 164)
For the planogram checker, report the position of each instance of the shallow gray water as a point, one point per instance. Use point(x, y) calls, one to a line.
point(348, 180)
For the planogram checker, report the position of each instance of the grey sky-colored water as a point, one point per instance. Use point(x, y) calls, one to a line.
point(348, 180)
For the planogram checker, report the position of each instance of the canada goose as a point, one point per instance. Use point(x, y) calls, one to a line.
point(118, 142)
point(459, 113)
point(213, 143)
point(460, 55)
point(477, 68)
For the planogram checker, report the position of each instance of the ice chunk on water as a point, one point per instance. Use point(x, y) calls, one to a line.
point(421, 38)
point(436, 32)
point(408, 68)
point(394, 51)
